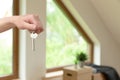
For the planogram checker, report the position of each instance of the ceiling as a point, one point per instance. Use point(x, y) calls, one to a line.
point(109, 11)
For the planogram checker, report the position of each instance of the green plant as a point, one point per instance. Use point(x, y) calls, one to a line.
point(81, 57)
point(75, 61)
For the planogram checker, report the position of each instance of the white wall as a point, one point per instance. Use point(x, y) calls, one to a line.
point(32, 63)
point(109, 11)
point(109, 49)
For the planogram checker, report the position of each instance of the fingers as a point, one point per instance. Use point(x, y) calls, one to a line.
point(34, 22)
point(28, 22)
point(38, 31)
point(29, 26)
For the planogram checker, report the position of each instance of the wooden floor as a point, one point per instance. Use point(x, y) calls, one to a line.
point(97, 76)
point(54, 75)
point(53, 78)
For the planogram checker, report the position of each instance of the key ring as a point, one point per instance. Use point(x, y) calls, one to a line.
point(33, 35)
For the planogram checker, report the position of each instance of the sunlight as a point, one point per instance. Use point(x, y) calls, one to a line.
point(62, 40)
point(5, 8)
point(6, 39)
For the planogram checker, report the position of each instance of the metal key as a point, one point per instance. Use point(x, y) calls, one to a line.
point(33, 36)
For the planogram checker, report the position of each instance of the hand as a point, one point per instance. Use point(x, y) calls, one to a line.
point(29, 22)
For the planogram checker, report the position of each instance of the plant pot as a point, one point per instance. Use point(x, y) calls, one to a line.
point(81, 64)
point(76, 66)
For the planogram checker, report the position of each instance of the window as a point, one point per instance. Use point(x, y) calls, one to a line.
point(9, 43)
point(65, 37)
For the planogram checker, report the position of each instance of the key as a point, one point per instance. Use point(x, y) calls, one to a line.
point(33, 36)
point(33, 44)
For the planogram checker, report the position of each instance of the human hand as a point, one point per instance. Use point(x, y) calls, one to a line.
point(29, 22)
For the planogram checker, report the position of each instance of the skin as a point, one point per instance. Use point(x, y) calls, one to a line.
point(26, 22)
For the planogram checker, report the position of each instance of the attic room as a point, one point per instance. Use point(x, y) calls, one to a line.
point(96, 20)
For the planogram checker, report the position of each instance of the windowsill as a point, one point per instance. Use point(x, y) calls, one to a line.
point(54, 74)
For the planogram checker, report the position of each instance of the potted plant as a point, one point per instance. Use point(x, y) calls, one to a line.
point(81, 57)
point(76, 63)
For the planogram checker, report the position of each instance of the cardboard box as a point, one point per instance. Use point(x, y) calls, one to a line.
point(71, 73)
point(98, 76)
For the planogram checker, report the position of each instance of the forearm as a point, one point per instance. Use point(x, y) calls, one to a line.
point(29, 22)
point(6, 23)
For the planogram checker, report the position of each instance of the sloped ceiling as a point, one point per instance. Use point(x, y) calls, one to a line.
point(109, 11)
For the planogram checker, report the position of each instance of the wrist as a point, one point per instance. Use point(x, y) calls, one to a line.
point(12, 21)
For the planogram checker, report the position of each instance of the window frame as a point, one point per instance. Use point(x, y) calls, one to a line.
point(15, 47)
point(78, 27)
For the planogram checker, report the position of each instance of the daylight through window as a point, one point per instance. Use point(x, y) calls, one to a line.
point(6, 38)
point(63, 41)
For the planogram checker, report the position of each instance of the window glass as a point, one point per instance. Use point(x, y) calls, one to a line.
point(63, 41)
point(6, 39)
